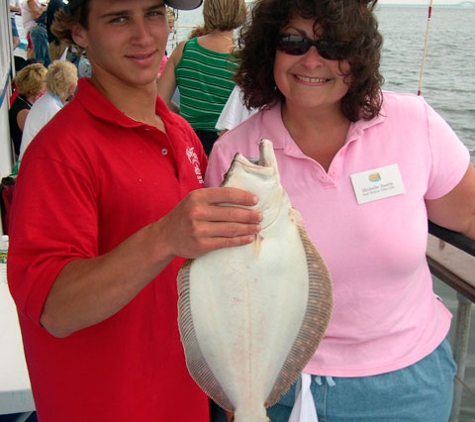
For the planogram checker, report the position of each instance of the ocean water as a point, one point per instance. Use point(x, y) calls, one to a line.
point(448, 84)
point(448, 78)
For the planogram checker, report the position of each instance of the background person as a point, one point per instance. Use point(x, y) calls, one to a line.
point(39, 39)
point(30, 11)
point(234, 112)
point(312, 67)
point(107, 206)
point(56, 47)
point(15, 9)
point(202, 68)
point(61, 83)
point(30, 85)
point(171, 26)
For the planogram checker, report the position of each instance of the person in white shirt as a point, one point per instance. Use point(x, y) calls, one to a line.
point(61, 83)
point(234, 111)
point(30, 11)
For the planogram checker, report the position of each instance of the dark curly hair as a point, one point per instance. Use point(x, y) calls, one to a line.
point(350, 21)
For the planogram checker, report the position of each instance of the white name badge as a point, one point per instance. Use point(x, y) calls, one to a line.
point(378, 183)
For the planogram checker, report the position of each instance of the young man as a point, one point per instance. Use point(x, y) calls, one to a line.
point(106, 208)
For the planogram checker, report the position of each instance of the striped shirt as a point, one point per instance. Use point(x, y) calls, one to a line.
point(204, 79)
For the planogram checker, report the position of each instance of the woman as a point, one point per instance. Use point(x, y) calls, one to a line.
point(203, 69)
point(366, 168)
point(30, 85)
point(61, 82)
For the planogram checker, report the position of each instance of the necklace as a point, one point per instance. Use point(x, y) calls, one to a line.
point(228, 38)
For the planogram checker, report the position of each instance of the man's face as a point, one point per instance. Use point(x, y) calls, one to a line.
point(125, 39)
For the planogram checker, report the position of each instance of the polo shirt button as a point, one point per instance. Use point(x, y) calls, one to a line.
point(164, 151)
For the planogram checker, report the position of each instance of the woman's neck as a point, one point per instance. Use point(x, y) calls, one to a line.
point(320, 134)
point(219, 41)
point(224, 35)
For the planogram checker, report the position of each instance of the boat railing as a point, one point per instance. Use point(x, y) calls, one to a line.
point(451, 258)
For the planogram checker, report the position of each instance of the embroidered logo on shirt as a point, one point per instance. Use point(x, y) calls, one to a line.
point(195, 162)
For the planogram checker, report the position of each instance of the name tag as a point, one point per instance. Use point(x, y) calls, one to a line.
point(379, 183)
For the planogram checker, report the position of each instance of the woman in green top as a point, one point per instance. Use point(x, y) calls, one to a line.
point(203, 68)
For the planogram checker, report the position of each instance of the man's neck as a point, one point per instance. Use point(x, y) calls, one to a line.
point(136, 102)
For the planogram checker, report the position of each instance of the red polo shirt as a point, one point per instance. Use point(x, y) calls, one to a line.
point(90, 179)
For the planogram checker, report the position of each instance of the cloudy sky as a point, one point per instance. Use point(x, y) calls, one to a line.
point(419, 2)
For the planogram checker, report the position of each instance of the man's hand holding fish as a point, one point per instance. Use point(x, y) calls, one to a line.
point(199, 225)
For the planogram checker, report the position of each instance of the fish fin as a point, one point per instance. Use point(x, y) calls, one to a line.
point(195, 361)
point(314, 324)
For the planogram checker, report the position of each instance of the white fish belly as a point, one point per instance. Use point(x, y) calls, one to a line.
point(247, 305)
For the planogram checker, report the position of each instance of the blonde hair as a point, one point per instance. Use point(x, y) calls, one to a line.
point(170, 15)
point(224, 14)
point(30, 81)
point(60, 77)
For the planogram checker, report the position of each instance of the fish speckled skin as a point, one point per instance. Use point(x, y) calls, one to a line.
point(251, 317)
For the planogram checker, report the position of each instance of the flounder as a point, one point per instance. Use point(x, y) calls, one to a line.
point(251, 317)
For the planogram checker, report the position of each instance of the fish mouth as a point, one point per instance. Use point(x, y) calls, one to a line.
point(265, 163)
point(264, 167)
point(260, 176)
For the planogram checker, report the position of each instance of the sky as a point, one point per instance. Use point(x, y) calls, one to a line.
point(419, 1)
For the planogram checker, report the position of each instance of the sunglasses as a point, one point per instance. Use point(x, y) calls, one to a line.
point(296, 45)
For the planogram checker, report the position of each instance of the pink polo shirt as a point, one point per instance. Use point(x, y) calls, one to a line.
point(386, 315)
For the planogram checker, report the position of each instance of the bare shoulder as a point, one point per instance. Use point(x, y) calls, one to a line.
point(178, 52)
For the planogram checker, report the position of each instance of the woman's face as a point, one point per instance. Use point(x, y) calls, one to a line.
point(309, 80)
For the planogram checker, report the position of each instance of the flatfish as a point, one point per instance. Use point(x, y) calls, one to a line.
point(251, 317)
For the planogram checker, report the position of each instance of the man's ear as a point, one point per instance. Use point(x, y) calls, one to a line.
point(79, 36)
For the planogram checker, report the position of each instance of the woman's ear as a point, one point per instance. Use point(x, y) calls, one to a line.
point(78, 33)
